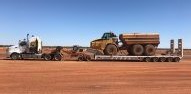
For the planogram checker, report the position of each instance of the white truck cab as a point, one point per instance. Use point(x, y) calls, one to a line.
point(25, 47)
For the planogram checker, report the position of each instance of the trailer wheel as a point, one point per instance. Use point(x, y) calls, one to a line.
point(155, 59)
point(147, 59)
point(110, 50)
point(15, 56)
point(176, 59)
point(137, 50)
point(81, 58)
point(162, 59)
point(57, 57)
point(149, 50)
point(88, 58)
point(47, 57)
point(169, 59)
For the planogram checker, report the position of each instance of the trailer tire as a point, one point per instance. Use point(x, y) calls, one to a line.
point(155, 59)
point(147, 59)
point(47, 57)
point(176, 59)
point(169, 59)
point(137, 50)
point(15, 56)
point(57, 57)
point(88, 58)
point(110, 50)
point(81, 58)
point(149, 50)
point(162, 59)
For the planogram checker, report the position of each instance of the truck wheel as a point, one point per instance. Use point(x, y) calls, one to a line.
point(149, 50)
point(81, 58)
point(15, 56)
point(176, 59)
point(162, 59)
point(137, 50)
point(110, 50)
point(57, 57)
point(155, 59)
point(147, 59)
point(169, 59)
point(88, 58)
point(47, 57)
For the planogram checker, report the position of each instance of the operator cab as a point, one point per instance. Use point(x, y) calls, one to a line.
point(108, 35)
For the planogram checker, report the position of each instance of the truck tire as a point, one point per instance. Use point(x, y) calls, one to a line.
point(15, 56)
point(110, 50)
point(149, 50)
point(81, 57)
point(176, 59)
point(47, 57)
point(155, 59)
point(88, 58)
point(162, 59)
point(169, 59)
point(147, 59)
point(137, 50)
point(57, 57)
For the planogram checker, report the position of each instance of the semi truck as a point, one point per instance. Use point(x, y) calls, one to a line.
point(136, 44)
point(31, 48)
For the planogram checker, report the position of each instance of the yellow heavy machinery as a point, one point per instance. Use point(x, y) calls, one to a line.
point(136, 44)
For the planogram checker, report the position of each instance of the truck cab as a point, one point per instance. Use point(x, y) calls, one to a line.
point(25, 46)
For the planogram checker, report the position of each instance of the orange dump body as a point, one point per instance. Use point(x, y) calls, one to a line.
point(140, 38)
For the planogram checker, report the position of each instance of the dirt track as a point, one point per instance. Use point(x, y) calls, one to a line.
point(73, 77)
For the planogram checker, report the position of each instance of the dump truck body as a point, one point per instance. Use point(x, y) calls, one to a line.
point(137, 38)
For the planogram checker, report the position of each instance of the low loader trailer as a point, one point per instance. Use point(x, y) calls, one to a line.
point(172, 55)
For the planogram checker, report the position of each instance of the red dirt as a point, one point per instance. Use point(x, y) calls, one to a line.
point(72, 77)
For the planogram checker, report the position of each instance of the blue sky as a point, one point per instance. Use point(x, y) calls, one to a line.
point(70, 22)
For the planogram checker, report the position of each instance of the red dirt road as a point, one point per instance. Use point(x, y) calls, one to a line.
point(73, 77)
